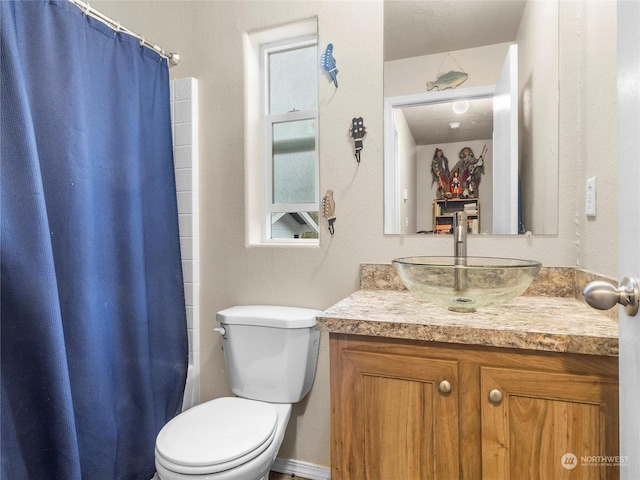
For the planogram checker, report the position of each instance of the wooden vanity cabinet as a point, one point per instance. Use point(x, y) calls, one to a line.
point(421, 410)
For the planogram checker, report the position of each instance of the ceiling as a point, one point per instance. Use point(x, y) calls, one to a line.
point(414, 28)
point(429, 124)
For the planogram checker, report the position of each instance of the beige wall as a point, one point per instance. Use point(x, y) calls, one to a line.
point(208, 36)
point(408, 75)
point(592, 66)
point(538, 137)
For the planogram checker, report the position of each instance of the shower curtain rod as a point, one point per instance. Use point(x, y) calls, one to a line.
point(87, 9)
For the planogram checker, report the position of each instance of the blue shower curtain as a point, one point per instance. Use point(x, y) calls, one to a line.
point(93, 329)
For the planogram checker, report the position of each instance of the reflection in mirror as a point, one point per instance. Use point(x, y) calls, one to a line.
point(510, 119)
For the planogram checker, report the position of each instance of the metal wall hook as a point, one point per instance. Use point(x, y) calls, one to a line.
point(603, 295)
point(358, 131)
point(329, 210)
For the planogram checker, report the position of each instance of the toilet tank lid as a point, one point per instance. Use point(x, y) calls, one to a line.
point(269, 316)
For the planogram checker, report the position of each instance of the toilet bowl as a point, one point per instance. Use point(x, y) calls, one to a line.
point(271, 353)
point(223, 439)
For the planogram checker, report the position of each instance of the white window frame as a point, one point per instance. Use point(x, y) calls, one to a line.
point(269, 207)
point(256, 184)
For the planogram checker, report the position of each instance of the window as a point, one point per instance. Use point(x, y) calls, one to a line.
point(288, 119)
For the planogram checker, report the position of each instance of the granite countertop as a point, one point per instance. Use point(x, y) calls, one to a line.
point(553, 324)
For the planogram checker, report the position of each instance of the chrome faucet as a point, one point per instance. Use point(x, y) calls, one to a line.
point(460, 250)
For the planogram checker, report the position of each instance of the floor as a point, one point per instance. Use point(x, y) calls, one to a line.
point(283, 476)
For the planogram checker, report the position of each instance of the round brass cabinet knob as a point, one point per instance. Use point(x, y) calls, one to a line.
point(495, 396)
point(444, 387)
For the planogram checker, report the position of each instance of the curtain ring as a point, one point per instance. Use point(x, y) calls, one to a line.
point(142, 41)
point(118, 27)
point(87, 9)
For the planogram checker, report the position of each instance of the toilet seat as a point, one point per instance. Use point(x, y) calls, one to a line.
point(217, 435)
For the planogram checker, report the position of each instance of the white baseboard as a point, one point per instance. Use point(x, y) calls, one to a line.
point(301, 469)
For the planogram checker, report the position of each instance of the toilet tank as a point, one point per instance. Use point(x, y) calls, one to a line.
point(271, 352)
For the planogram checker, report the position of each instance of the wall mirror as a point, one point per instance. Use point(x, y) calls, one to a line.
point(467, 76)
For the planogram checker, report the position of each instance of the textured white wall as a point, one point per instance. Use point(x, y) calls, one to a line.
point(409, 75)
point(538, 137)
point(591, 141)
point(208, 35)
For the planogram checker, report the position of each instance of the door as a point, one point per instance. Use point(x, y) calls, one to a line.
point(629, 228)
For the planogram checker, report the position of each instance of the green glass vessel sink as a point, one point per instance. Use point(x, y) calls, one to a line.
point(463, 284)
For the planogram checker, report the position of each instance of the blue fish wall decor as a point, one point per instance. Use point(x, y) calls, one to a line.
point(329, 64)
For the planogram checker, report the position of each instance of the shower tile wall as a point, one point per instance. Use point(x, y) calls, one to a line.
point(184, 122)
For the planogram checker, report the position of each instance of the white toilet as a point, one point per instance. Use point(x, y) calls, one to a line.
point(271, 354)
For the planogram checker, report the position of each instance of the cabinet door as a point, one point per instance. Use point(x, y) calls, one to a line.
point(548, 425)
point(393, 419)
